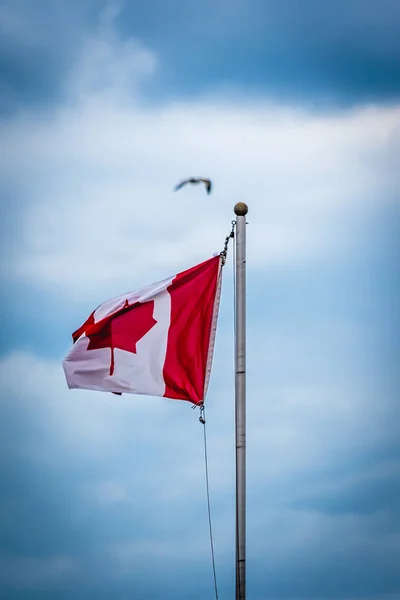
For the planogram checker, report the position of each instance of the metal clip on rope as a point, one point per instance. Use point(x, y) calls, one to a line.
point(201, 418)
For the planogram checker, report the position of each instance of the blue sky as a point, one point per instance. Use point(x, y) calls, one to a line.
point(295, 109)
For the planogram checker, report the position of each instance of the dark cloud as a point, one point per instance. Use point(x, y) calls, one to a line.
point(38, 44)
point(323, 53)
point(342, 50)
point(374, 494)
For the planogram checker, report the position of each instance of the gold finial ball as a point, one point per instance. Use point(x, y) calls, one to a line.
point(241, 209)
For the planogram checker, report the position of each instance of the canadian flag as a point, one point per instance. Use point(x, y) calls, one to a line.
point(156, 341)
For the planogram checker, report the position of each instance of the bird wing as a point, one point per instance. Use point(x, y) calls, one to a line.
point(208, 184)
point(181, 184)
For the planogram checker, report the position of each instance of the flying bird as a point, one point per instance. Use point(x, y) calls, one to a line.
point(206, 182)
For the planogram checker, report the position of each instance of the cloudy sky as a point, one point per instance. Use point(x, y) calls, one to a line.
point(295, 109)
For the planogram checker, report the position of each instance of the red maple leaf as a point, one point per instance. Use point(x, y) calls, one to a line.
point(121, 330)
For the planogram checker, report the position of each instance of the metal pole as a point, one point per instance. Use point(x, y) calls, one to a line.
point(240, 399)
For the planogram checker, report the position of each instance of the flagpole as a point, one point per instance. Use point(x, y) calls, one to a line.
point(241, 210)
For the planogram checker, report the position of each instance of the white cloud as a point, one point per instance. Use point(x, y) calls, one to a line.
point(109, 492)
point(97, 211)
point(83, 422)
point(303, 428)
point(109, 66)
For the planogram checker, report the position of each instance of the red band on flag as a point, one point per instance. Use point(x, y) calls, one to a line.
point(193, 295)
